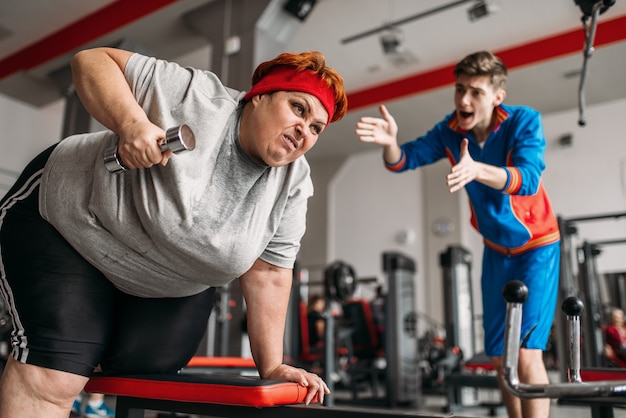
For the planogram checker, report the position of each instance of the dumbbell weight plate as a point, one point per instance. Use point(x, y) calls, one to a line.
point(179, 139)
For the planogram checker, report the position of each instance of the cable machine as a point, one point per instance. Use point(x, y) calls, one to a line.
point(582, 283)
point(593, 319)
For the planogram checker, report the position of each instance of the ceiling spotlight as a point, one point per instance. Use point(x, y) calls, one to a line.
point(392, 40)
point(300, 8)
point(480, 9)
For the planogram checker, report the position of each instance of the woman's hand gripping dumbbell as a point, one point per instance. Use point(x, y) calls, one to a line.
point(177, 139)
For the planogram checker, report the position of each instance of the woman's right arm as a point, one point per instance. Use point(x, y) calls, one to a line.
point(98, 76)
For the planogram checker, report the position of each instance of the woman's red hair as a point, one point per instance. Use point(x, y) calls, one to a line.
point(313, 61)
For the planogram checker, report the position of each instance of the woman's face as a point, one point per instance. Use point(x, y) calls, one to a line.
point(282, 126)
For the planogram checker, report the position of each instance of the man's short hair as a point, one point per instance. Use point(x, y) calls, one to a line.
point(483, 63)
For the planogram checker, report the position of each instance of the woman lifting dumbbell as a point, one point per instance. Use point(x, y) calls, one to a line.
point(118, 270)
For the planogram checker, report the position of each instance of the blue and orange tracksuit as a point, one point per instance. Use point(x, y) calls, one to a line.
point(516, 223)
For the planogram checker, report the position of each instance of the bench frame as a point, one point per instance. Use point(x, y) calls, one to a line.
point(129, 407)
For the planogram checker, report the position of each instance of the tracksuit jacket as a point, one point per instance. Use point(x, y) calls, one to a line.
point(512, 220)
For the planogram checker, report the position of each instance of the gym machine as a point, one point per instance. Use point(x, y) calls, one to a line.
point(592, 325)
point(403, 379)
point(456, 264)
point(593, 343)
point(582, 283)
point(292, 323)
point(462, 385)
point(226, 326)
point(402, 375)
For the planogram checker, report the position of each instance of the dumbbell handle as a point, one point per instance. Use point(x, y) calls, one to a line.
point(177, 139)
point(516, 294)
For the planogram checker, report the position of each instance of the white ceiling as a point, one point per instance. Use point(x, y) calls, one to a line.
point(432, 42)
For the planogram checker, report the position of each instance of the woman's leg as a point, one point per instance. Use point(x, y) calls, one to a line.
point(29, 391)
point(60, 308)
point(157, 335)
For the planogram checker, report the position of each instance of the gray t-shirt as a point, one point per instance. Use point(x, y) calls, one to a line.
point(200, 221)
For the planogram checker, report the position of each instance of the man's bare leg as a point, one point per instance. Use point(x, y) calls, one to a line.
point(531, 370)
point(28, 391)
point(512, 403)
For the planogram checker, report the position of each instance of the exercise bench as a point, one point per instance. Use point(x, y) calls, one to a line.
point(478, 373)
point(229, 365)
point(210, 394)
point(223, 396)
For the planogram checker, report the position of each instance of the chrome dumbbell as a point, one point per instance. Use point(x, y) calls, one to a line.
point(177, 139)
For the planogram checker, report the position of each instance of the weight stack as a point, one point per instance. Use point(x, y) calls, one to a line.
point(403, 376)
point(456, 264)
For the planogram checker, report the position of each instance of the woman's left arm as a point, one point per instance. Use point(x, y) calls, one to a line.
point(266, 289)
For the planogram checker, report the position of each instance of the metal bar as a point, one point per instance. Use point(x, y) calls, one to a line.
point(576, 387)
point(512, 331)
point(573, 336)
point(127, 408)
point(596, 217)
point(609, 242)
point(590, 34)
point(403, 21)
point(567, 287)
point(329, 352)
point(130, 407)
point(592, 324)
point(605, 389)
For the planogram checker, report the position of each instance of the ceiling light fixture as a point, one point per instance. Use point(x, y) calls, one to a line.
point(394, 48)
point(480, 9)
point(392, 40)
point(300, 8)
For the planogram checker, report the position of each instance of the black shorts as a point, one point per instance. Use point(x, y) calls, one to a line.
point(67, 316)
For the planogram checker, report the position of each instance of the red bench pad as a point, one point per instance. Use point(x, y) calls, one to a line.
point(218, 389)
point(234, 362)
point(602, 374)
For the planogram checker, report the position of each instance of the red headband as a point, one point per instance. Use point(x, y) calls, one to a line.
point(286, 78)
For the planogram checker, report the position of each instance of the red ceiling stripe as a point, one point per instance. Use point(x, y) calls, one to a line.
point(123, 12)
point(93, 26)
point(548, 48)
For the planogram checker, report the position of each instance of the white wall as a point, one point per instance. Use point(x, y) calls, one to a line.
point(314, 243)
point(370, 209)
point(26, 131)
point(589, 177)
